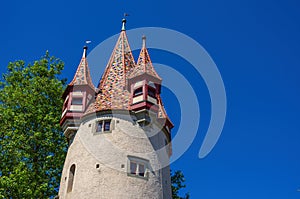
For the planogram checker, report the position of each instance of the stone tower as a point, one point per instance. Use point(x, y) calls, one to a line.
point(118, 133)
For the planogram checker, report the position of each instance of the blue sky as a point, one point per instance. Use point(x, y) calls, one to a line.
point(255, 45)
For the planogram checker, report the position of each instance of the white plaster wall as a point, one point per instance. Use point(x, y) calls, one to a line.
point(110, 151)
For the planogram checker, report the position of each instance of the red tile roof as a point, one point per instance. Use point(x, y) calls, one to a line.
point(144, 64)
point(82, 75)
point(113, 94)
point(121, 66)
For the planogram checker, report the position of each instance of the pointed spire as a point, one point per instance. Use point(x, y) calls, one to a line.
point(144, 64)
point(112, 84)
point(82, 75)
point(120, 62)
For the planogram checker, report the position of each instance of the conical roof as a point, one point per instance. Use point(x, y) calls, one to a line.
point(112, 92)
point(82, 75)
point(144, 64)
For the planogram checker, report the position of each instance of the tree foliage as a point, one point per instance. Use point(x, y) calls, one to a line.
point(31, 142)
point(177, 180)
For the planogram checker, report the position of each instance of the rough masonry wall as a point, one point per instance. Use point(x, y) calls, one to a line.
point(102, 163)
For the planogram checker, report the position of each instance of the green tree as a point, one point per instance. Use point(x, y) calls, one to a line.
point(177, 180)
point(31, 142)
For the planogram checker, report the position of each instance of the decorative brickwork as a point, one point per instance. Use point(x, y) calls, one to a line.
point(144, 65)
point(82, 75)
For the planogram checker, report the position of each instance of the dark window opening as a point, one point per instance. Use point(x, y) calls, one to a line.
point(141, 170)
point(106, 125)
point(71, 178)
point(138, 91)
point(151, 92)
point(103, 125)
point(99, 126)
point(133, 166)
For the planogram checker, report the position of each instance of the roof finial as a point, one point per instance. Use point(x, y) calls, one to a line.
point(84, 51)
point(85, 48)
point(123, 24)
point(144, 41)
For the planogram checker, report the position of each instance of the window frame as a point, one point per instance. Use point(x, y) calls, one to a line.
point(138, 162)
point(77, 98)
point(104, 126)
point(139, 93)
point(152, 93)
point(71, 178)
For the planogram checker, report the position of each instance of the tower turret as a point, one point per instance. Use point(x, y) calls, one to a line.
point(144, 86)
point(79, 93)
point(121, 147)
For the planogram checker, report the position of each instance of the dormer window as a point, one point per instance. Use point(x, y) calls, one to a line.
point(138, 91)
point(151, 92)
point(76, 101)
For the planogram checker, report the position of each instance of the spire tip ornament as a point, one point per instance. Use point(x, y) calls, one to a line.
point(123, 24)
point(144, 41)
point(84, 51)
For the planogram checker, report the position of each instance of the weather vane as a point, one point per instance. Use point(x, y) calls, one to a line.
point(88, 41)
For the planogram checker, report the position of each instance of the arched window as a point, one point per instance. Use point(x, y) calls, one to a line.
point(71, 178)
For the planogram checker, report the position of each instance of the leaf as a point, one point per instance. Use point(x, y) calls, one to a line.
point(30, 109)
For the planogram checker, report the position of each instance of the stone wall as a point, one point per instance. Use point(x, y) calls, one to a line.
point(102, 161)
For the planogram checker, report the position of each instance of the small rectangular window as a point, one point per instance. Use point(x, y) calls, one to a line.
point(138, 91)
point(104, 126)
point(107, 125)
point(141, 170)
point(76, 101)
point(138, 167)
point(99, 126)
point(151, 92)
point(133, 167)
